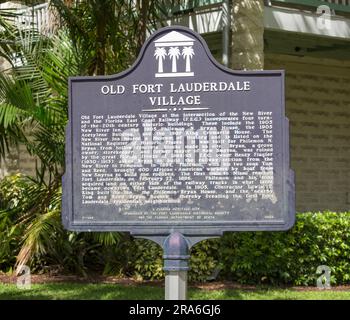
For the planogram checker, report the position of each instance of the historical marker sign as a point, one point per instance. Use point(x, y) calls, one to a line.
point(178, 142)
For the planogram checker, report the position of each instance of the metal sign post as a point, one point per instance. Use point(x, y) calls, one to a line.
point(176, 256)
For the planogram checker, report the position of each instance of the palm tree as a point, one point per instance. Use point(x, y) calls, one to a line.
point(33, 112)
point(160, 54)
point(174, 54)
point(96, 37)
point(109, 32)
point(188, 53)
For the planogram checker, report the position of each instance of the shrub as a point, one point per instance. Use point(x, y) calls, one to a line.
point(290, 257)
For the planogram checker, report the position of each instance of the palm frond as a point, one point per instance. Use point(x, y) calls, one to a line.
point(107, 238)
point(10, 133)
point(39, 236)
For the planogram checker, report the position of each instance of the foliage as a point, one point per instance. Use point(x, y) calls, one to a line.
point(204, 260)
point(99, 37)
point(96, 37)
point(290, 257)
point(114, 32)
point(147, 261)
point(33, 112)
point(31, 231)
point(293, 256)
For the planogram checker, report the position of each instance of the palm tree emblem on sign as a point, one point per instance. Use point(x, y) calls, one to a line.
point(174, 54)
point(188, 53)
point(168, 50)
point(160, 54)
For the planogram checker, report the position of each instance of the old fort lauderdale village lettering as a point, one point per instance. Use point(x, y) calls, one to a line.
point(189, 87)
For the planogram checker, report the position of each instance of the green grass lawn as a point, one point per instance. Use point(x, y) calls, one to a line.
point(54, 291)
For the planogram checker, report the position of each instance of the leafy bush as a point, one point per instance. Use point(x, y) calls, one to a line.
point(147, 261)
point(204, 259)
point(290, 257)
point(31, 231)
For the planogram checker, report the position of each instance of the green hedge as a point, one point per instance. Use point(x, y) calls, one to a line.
point(290, 257)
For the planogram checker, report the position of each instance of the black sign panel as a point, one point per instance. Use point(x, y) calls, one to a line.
point(178, 142)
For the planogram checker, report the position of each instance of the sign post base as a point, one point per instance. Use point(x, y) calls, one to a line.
point(176, 285)
point(176, 255)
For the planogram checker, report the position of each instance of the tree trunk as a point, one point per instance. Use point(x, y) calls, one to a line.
point(100, 46)
point(247, 51)
point(142, 24)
